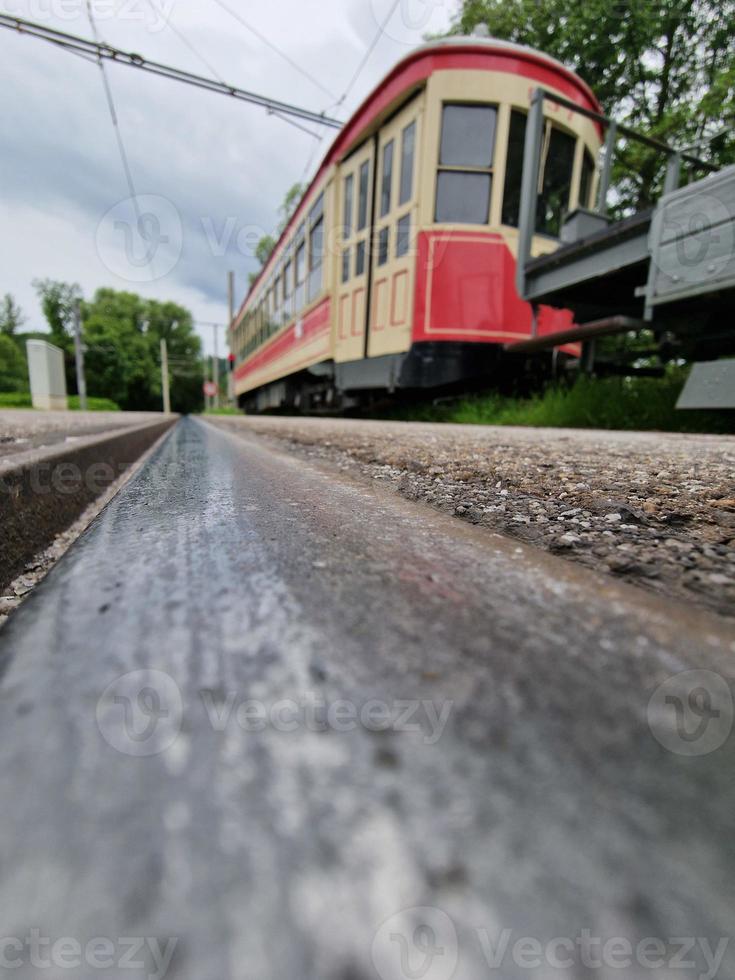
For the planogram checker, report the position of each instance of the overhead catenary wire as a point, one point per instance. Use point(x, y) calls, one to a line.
point(261, 37)
point(352, 82)
point(366, 57)
point(210, 67)
point(115, 121)
point(310, 158)
point(80, 45)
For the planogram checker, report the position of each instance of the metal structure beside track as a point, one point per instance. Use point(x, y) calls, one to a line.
point(670, 268)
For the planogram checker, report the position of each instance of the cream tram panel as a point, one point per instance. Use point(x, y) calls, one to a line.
point(354, 195)
point(396, 218)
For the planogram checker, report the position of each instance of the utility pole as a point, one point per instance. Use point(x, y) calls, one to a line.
point(164, 379)
point(79, 355)
point(231, 305)
point(215, 368)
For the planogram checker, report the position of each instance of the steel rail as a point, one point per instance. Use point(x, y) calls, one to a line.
point(86, 47)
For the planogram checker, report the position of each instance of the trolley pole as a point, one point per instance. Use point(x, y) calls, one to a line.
point(164, 379)
point(79, 357)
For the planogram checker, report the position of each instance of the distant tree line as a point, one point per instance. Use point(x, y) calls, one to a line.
point(121, 333)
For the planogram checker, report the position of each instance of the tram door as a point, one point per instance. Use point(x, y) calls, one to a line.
point(396, 213)
point(355, 208)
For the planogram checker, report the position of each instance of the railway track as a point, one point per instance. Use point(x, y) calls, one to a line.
point(263, 722)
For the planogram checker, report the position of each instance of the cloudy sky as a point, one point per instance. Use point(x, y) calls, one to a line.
point(210, 172)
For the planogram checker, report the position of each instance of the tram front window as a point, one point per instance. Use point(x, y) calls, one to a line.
point(464, 178)
point(557, 163)
point(553, 201)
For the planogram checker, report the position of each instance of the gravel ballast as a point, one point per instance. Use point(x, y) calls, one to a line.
point(656, 509)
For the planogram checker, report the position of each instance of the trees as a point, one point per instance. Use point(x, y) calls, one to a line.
point(11, 316)
point(122, 333)
point(13, 368)
point(264, 248)
point(289, 204)
point(267, 243)
point(172, 323)
point(58, 300)
point(119, 362)
point(663, 67)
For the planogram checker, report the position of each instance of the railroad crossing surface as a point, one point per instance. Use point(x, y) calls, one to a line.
point(277, 721)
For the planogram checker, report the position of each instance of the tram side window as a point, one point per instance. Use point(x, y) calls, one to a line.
point(347, 205)
point(287, 290)
point(362, 208)
point(387, 182)
point(408, 151)
point(316, 248)
point(360, 255)
point(300, 275)
point(464, 180)
point(383, 245)
point(585, 183)
point(514, 169)
point(403, 236)
point(277, 297)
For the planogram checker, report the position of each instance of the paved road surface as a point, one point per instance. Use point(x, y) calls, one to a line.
point(533, 798)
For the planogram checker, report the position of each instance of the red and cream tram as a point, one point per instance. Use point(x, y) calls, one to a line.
point(397, 269)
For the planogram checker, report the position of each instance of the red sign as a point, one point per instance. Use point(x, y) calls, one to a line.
point(210, 389)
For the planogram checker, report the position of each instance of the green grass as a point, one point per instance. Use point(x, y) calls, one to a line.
point(606, 403)
point(94, 404)
point(223, 411)
point(21, 399)
point(15, 399)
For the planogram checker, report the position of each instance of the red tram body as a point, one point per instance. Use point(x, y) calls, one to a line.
point(397, 269)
